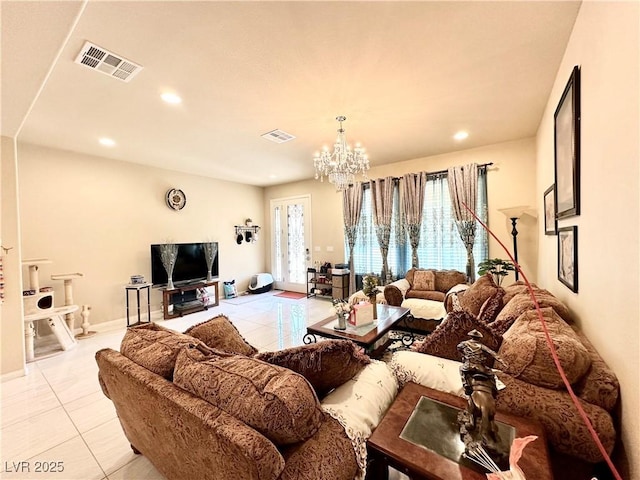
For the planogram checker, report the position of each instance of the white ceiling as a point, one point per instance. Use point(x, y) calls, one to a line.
point(407, 75)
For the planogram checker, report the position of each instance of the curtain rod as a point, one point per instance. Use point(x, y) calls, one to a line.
point(439, 172)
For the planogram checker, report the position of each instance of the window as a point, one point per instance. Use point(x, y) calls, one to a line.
point(440, 245)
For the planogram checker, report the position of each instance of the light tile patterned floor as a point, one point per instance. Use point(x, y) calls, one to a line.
point(57, 413)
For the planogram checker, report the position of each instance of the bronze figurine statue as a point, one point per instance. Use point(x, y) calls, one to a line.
point(477, 425)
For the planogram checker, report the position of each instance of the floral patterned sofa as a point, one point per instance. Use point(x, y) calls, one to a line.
point(205, 404)
point(533, 387)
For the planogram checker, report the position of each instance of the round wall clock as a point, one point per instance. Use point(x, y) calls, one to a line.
point(176, 199)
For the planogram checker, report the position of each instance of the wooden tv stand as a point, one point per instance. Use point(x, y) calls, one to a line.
point(175, 297)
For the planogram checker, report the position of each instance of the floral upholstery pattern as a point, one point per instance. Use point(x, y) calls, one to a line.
point(327, 455)
point(443, 342)
point(155, 348)
point(427, 370)
point(326, 365)
point(521, 303)
point(278, 403)
point(478, 293)
point(554, 409)
point(528, 357)
point(184, 436)
point(219, 333)
point(360, 404)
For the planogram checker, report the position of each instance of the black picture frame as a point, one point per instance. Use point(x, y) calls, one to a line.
point(550, 221)
point(568, 257)
point(566, 138)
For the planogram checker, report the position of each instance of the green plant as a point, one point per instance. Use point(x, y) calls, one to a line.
point(497, 267)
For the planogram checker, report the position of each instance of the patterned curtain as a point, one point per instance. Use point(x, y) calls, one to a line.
point(463, 188)
point(382, 203)
point(351, 207)
point(412, 186)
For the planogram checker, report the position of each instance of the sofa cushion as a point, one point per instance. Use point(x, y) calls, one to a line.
point(447, 279)
point(426, 295)
point(360, 404)
point(424, 280)
point(491, 307)
point(478, 293)
point(219, 333)
point(443, 342)
point(327, 454)
point(521, 303)
point(527, 355)
point(155, 348)
point(554, 409)
point(326, 365)
point(393, 295)
point(599, 385)
point(434, 372)
point(278, 403)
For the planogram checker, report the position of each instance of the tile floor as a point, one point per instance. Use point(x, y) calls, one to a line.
point(57, 418)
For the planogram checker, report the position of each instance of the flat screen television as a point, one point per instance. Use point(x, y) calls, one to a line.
point(190, 267)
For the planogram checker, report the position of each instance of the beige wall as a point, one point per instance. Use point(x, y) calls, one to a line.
point(11, 329)
point(98, 217)
point(605, 43)
point(510, 183)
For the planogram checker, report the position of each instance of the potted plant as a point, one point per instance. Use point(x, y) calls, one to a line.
point(497, 267)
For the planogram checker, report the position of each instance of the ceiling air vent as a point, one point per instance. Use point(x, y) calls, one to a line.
point(97, 58)
point(278, 136)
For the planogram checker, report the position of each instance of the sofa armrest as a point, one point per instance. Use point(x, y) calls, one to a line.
point(599, 385)
point(395, 292)
point(554, 409)
point(452, 297)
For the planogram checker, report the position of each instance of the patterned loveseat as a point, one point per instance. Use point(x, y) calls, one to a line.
point(205, 404)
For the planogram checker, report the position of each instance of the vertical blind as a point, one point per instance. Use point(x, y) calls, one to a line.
point(440, 244)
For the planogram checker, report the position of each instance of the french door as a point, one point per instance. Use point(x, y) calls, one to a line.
point(291, 242)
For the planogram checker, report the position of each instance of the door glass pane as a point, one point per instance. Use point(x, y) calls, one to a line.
point(277, 228)
point(295, 243)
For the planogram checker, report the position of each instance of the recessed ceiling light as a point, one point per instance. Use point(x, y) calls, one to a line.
point(461, 135)
point(107, 142)
point(171, 98)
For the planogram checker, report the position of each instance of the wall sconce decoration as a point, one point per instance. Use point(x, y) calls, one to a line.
point(247, 232)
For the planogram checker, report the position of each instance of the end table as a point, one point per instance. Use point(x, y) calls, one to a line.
point(136, 287)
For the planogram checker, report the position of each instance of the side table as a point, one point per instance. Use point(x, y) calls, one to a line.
point(386, 446)
point(136, 287)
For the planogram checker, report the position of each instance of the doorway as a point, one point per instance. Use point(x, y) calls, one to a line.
point(291, 242)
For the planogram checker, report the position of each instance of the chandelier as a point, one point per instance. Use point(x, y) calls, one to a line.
point(341, 165)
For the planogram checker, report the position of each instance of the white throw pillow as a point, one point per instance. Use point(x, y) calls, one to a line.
point(434, 372)
point(360, 404)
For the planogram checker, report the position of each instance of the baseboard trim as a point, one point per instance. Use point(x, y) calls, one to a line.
point(118, 323)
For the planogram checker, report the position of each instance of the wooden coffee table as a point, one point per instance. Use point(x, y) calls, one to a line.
point(373, 338)
point(386, 447)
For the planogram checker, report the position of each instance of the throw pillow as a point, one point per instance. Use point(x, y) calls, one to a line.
point(155, 348)
point(521, 303)
point(491, 307)
point(433, 372)
point(478, 293)
point(447, 279)
point(528, 357)
point(277, 402)
point(424, 280)
point(326, 365)
point(443, 342)
point(219, 333)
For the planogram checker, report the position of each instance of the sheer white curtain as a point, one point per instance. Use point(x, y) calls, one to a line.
point(440, 246)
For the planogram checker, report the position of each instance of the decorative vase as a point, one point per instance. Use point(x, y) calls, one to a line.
point(342, 323)
point(168, 255)
point(210, 252)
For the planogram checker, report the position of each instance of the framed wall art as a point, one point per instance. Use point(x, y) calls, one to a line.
point(567, 148)
point(550, 222)
point(568, 257)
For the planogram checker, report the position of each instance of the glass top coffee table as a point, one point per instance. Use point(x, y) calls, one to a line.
point(373, 338)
